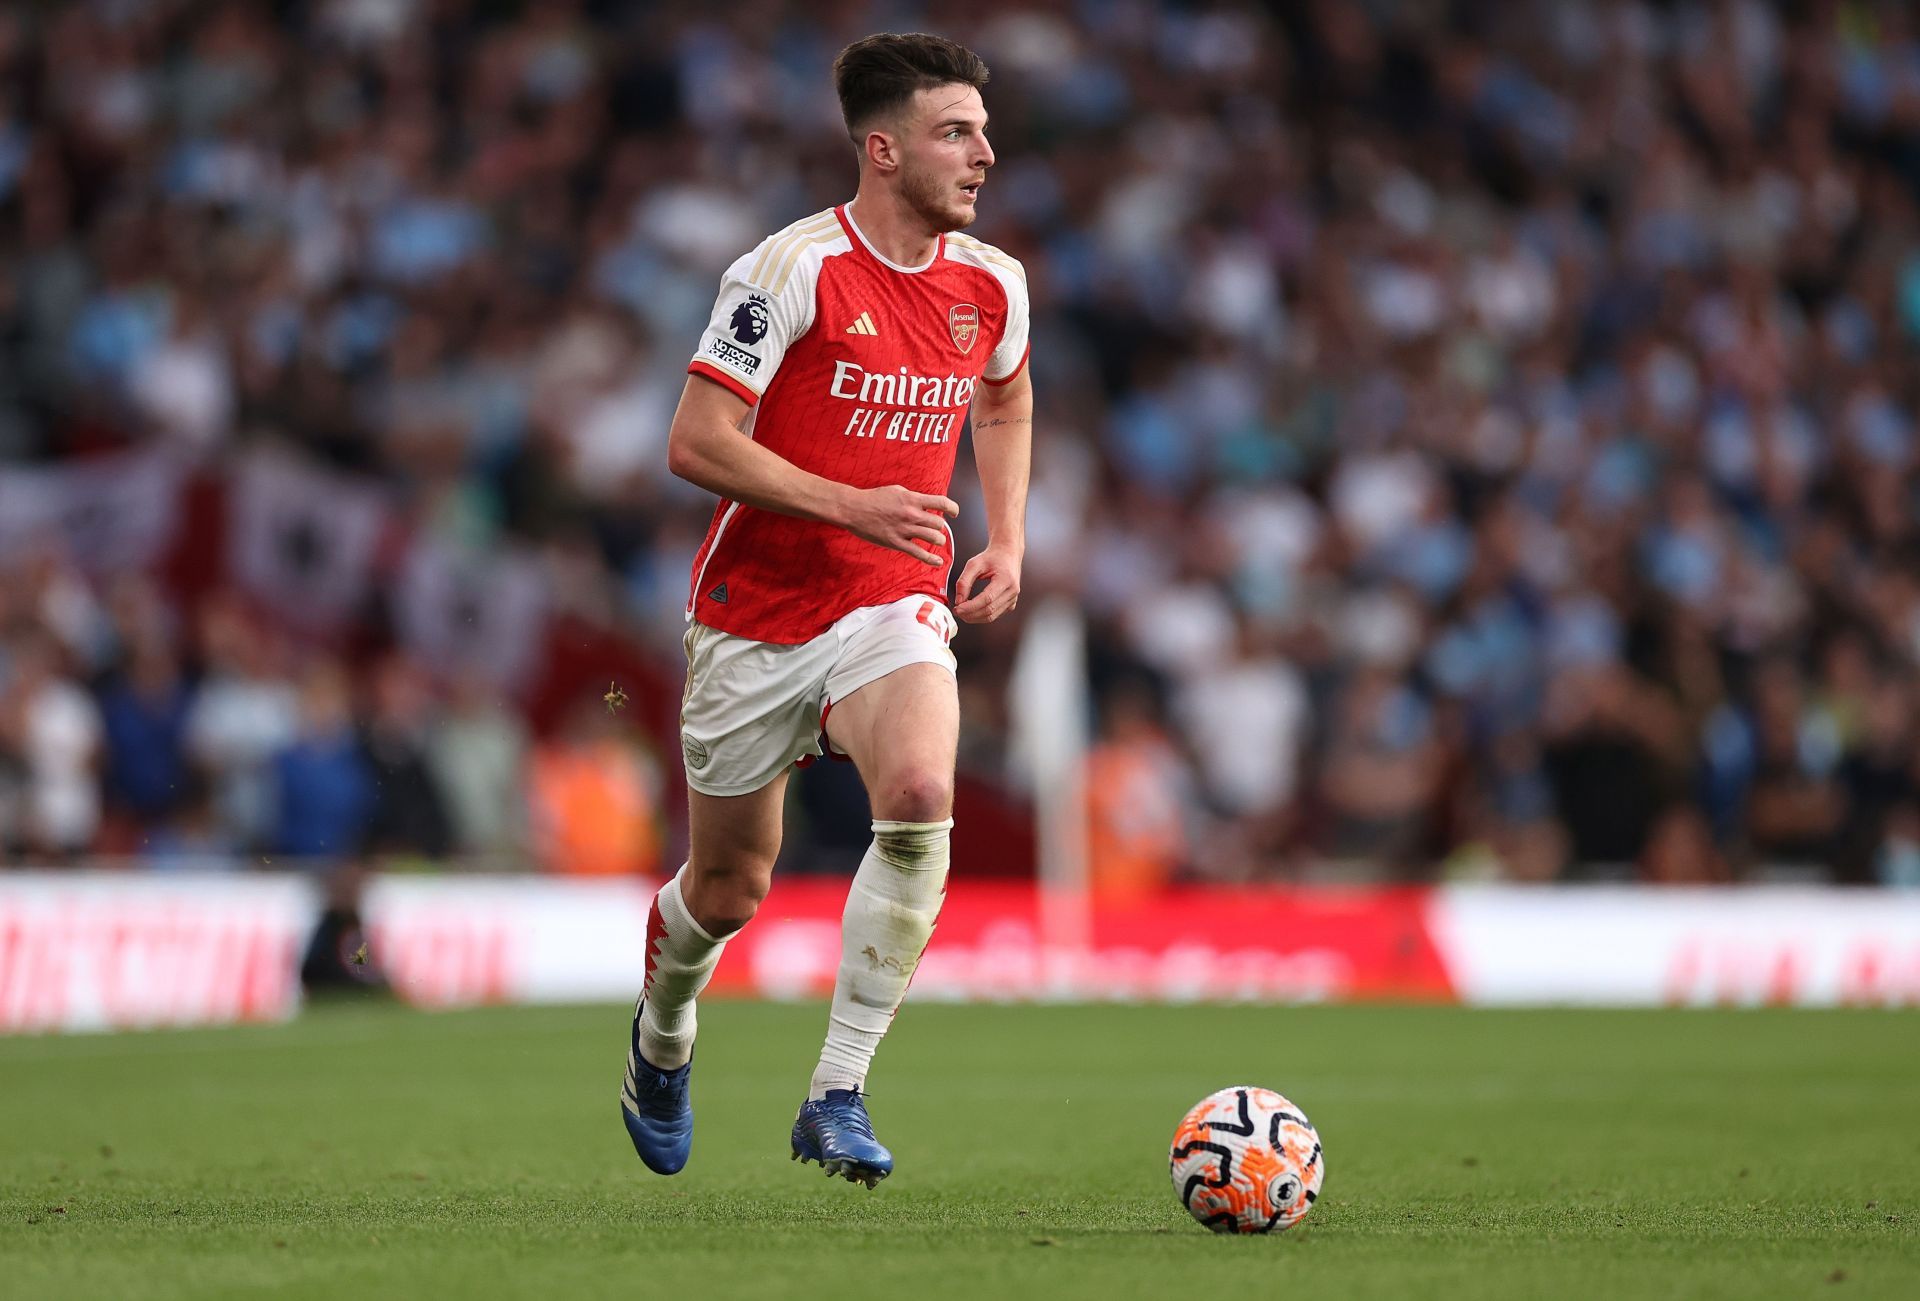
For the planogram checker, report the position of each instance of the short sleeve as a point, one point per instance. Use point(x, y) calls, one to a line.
point(1011, 353)
point(750, 331)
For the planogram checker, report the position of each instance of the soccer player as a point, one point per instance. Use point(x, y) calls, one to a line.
point(824, 408)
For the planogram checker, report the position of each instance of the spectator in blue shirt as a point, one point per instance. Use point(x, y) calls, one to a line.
point(324, 787)
point(144, 712)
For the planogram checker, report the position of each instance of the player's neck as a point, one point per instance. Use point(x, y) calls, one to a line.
point(894, 231)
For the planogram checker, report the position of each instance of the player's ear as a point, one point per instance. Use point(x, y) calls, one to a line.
point(882, 150)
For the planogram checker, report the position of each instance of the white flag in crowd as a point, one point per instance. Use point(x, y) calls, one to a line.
point(110, 515)
point(302, 540)
point(483, 611)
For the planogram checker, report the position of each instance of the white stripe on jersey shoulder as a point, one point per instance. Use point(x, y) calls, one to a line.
point(774, 247)
point(1011, 276)
point(965, 248)
point(806, 257)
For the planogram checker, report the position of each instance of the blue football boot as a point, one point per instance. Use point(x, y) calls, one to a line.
point(835, 1131)
point(658, 1112)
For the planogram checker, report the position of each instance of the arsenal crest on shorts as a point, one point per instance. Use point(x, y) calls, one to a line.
point(964, 320)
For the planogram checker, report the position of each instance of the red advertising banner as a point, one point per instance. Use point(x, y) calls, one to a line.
point(98, 951)
point(109, 953)
point(1282, 945)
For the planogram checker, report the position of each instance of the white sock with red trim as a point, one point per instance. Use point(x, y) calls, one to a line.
point(680, 959)
point(891, 909)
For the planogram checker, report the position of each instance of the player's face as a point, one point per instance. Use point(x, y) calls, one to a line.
point(945, 155)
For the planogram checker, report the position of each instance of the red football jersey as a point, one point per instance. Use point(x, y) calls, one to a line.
point(860, 370)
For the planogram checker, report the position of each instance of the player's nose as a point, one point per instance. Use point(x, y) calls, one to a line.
point(983, 156)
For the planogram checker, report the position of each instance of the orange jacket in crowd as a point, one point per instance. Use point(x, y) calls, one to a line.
point(594, 807)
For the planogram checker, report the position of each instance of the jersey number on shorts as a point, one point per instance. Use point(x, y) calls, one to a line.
point(944, 627)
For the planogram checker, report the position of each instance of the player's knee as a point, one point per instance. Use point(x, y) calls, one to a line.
point(917, 795)
point(725, 912)
point(726, 897)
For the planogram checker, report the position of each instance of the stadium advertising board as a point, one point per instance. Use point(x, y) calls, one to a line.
point(87, 951)
point(445, 942)
point(1191, 944)
point(1633, 947)
point(90, 951)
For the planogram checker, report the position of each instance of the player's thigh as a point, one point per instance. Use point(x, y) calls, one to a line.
point(894, 708)
point(902, 731)
point(750, 709)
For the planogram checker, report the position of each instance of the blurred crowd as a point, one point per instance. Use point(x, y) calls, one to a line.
point(1481, 435)
point(128, 733)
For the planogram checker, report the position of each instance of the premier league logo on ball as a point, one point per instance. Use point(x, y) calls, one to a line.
point(749, 324)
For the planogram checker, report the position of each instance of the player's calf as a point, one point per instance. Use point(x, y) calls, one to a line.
point(891, 910)
point(680, 958)
point(655, 1101)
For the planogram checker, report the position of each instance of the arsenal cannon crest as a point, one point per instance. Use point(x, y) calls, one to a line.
point(964, 320)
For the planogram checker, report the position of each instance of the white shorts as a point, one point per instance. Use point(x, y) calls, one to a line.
point(751, 708)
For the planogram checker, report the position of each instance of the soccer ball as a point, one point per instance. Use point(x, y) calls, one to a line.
point(1246, 1160)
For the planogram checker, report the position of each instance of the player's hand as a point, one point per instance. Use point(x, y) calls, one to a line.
point(898, 517)
point(997, 571)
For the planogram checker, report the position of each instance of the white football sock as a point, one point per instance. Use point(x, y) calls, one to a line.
point(889, 918)
point(680, 959)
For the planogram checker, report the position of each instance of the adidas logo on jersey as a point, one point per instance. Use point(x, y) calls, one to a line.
point(863, 325)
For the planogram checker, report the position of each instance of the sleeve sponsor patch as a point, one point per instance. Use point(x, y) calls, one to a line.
point(738, 358)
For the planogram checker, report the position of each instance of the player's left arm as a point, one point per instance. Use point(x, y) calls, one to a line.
point(989, 585)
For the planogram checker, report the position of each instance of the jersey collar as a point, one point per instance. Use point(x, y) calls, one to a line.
point(860, 237)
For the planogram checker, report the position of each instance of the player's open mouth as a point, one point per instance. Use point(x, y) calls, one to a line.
point(972, 189)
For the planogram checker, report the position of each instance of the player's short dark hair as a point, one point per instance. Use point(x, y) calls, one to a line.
point(880, 73)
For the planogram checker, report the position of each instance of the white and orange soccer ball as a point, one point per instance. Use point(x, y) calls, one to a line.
point(1246, 1160)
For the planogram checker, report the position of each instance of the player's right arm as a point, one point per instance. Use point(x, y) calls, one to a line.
point(766, 302)
point(707, 447)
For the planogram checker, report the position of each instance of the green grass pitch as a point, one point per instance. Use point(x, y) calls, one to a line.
point(372, 1151)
